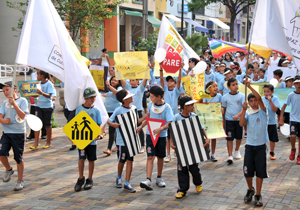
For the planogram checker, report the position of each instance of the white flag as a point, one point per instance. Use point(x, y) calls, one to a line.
point(46, 44)
point(277, 26)
point(171, 41)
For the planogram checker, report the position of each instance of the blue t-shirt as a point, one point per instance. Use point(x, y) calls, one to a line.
point(118, 111)
point(179, 116)
point(94, 113)
point(138, 95)
point(242, 77)
point(171, 98)
point(42, 101)
point(282, 85)
point(215, 99)
point(257, 133)
point(14, 126)
point(233, 105)
point(209, 77)
point(294, 99)
point(111, 103)
point(219, 77)
point(271, 113)
point(258, 81)
point(167, 115)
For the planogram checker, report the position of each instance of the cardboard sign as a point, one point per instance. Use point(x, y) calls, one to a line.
point(99, 74)
point(152, 125)
point(82, 130)
point(172, 62)
point(30, 89)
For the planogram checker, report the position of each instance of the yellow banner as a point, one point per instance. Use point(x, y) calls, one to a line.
point(98, 74)
point(242, 89)
point(210, 116)
point(262, 51)
point(132, 65)
point(30, 89)
point(194, 86)
point(261, 87)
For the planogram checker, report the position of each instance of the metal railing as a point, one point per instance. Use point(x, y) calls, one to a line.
point(8, 69)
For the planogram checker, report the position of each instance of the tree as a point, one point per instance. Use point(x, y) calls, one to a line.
point(234, 6)
point(148, 44)
point(78, 14)
point(197, 42)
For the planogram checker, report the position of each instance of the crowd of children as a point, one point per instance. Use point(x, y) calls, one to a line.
point(222, 80)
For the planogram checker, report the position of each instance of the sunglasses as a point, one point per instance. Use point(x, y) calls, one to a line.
point(190, 61)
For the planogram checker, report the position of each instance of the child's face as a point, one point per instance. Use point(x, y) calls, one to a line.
point(114, 82)
point(111, 71)
point(39, 76)
point(234, 87)
point(213, 60)
point(255, 65)
point(256, 73)
point(228, 75)
point(7, 91)
point(253, 103)
point(222, 68)
point(289, 83)
point(128, 100)
point(250, 70)
point(268, 92)
point(171, 84)
point(90, 100)
point(284, 65)
point(217, 68)
point(297, 85)
point(213, 88)
point(234, 73)
point(189, 108)
point(134, 82)
point(261, 74)
point(155, 99)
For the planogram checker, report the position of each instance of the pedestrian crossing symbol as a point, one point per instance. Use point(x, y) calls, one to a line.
point(82, 130)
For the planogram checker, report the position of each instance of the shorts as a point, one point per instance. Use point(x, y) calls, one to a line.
point(145, 100)
point(233, 130)
point(255, 161)
point(295, 128)
point(90, 153)
point(169, 134)
point(273, 133)
point(160, 148)
point(14, 140)
point(123, 154)
point(45, 114)
point(69, 115)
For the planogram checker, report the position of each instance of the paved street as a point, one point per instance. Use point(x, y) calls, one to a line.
point(50, 176)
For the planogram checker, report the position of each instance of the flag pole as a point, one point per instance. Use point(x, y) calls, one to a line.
point(12, 87)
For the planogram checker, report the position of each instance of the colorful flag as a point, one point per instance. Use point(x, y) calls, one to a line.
point(219, 47)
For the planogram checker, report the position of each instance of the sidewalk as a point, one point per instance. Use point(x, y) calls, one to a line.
point(50, 176)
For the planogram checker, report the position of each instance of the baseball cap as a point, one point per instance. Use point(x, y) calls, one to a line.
point(89, 92)
point(286, 61)
point(133, 43)
point(170, 77)
point(289, 78)
point(7, 84)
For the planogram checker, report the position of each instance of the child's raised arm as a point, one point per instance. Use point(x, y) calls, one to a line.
point(112, 89)
point(256, 94)
point(162, 81)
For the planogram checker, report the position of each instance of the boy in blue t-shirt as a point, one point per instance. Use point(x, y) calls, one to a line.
point(255, 159)
point(89, 152)
point(126, 99)
point(209, 76)
point(187, 106)
point(293, 99)
point(158, 109)
point(14, 132)
point(222, 89)
point(232, 104)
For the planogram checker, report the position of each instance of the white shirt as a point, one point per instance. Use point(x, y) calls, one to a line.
point(274, 62)
point(242, 62)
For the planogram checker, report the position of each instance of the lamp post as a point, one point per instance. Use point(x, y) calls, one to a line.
point(182, 6)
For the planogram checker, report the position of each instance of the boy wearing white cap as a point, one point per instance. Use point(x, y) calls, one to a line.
point(222, 89)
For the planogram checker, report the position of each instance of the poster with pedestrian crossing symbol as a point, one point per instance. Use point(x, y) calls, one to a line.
point(188, 138)
point(82, 130)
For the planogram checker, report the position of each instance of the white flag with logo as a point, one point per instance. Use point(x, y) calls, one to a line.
point(46, 44)
point(277, 26)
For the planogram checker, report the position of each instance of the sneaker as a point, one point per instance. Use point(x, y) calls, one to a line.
point(179, 195)
point(142, 150)
point(119, 183)
point(213, 158)
point(160, 182)
point(29, 138)
point(79, 184)
point(245, 134)
point(19, 186)
point(146, 184)
point(248, 197)
point(272, 156)
point(230, 160)
point(7, 175)
point(43, 137)
point(168, 158)
point(258, 200)
point(237, 154)
point(199, 188)
point(88, 184)
point(128, 188)
point(292, 155)
point(73, 147)
point(298, 160)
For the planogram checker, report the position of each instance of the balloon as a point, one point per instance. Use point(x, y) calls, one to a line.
point(285, 129)
point(34, 122)
point(274, 82)
point(200, 67)
point(160, 55)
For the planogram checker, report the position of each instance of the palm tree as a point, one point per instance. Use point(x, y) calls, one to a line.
point(196, 41)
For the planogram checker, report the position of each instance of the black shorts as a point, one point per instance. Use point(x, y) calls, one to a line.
point(273, 133)
point(145, 100)
point(233, 130)
point(286, 117)
point(255, 161)
point(295, 128)
point(45, 114)
point(169, 134)
point(90, 153)
point(69, 115)
point(160, 148)
point(123, 154)
point(14, 140)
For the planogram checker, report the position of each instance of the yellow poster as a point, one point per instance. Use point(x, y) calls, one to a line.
point(242, 89)
point(30, 89)
point(210, 116)
point(132, 65)
point(194, 86)
point(98, 74)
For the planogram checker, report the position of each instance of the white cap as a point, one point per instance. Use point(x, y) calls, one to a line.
point(190, 102)
point(128, 96)
point(226, 72)
point(297, 80)
point(286, 61)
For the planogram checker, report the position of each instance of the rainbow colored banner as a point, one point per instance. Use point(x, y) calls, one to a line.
point(219, 47)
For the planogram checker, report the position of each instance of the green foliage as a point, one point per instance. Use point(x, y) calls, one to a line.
point(54, 123)
point(85, 16)
point(148, 44)
point(196, 41)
